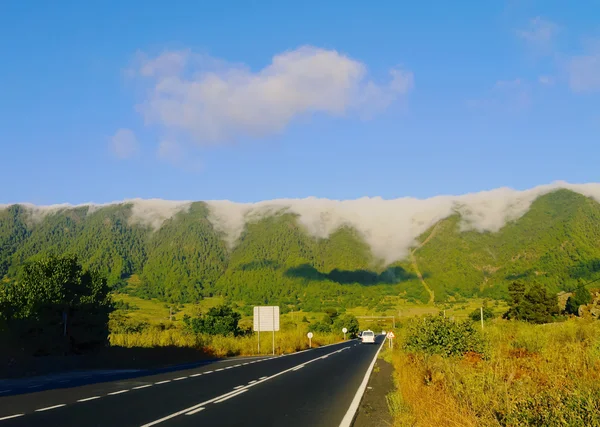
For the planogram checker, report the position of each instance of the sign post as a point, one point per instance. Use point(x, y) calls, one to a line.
point(309, 335)
point(344, 330)
point(390, 337)
point(266, 318)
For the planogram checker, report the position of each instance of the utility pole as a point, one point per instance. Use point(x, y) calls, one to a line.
point(170, 313)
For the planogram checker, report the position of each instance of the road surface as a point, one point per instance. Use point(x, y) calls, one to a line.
point(317, 387)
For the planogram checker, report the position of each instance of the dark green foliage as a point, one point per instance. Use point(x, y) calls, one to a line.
point(186, 258)
point(582, 297)
point(534, 305)
point(440, 335)
point(54, 296)
point(221, 320)
point(488, 314)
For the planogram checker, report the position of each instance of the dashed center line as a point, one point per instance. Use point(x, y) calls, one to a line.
point(262, 378)
point(11, 416)
point(117, 392)
point(142, 386)
point(89, 398)
point(209, 372)
point(233, 395)
point(51, 407)
point(163, 382)
point(196, 375)
point(180, 378)
point(239, 386)
point(195, 411)
point(251, 382)
point(220, 369)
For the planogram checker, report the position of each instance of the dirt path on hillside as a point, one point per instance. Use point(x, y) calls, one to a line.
point(413, 259)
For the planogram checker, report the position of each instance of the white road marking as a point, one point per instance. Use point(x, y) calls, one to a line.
point(349, 417)
point(196, 375)
point(209, 372)
point(220, 369)
point(299, 367)
point(11, 416)
point(239, 386)
point(195, 411)
point(245, 363)
point(117, 392)
point(251, 382)
point(89, 398)
point(142, 386)
point(35, 386)
point(225, 396)
point(229, 367)
point(4, 391)
point(237, 366)
point(162, 382)
point(51, 407)
point(180, 378)
point(233, 395)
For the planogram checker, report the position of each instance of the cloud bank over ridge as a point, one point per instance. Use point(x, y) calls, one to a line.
point(390, 227)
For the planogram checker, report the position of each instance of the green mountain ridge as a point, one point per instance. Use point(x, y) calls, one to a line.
point(557, 242)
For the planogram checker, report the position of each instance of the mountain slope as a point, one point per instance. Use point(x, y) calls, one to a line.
point(276, 259)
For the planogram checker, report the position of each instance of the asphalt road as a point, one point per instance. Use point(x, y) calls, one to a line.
point(311, 388)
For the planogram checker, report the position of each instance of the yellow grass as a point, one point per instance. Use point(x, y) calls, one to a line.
point(534, 375)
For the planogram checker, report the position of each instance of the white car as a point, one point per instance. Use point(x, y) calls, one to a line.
point(368, 337)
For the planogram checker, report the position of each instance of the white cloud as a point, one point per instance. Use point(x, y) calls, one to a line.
point(584, 71)
point(202, 99)
point(539, 34)
point(124, 144)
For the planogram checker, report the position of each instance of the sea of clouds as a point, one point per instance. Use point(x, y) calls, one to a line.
point(390, 227)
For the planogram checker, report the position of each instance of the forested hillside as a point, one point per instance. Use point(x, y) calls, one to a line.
point(275, 260)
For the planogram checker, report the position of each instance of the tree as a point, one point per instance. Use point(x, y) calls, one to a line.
point(536, 305)
point(348, 321)
point(581, 297)
point(55, 305)
point(221, 320)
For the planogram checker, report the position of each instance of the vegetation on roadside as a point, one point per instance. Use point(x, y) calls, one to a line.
point(529, 374)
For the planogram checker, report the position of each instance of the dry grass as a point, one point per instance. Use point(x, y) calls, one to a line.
point(547, 375)
point(285, 341)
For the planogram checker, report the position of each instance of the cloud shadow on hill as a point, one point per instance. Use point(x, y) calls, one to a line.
point(391, 276)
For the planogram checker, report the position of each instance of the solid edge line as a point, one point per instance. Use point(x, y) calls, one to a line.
point(351, 413)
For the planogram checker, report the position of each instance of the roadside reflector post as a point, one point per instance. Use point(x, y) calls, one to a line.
point(309, 335)
point(481, 310)
point(344, 330)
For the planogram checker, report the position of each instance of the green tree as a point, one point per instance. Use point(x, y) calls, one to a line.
point(221, 320)
point(55, 305)
point(581, 297)
point(536, 305)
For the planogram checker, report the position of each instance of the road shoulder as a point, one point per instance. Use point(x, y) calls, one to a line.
point(373, 410)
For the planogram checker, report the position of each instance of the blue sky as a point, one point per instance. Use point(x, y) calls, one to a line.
point(249, 100)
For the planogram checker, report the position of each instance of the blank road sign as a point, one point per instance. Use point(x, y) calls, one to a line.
point(266, 318)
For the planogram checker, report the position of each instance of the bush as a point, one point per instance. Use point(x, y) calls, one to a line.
point(221, 320)
point(488, 314)
point(440, 335)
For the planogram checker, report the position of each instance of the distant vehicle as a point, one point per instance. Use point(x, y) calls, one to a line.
point(368, 337)
point(360, 334)
point(383, 332)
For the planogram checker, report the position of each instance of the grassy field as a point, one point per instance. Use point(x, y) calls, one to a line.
point(546, 375)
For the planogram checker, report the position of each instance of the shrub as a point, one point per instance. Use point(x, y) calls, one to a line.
point(221, 320)
point(488, 314)
point(533, 305)
point(440, 335)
